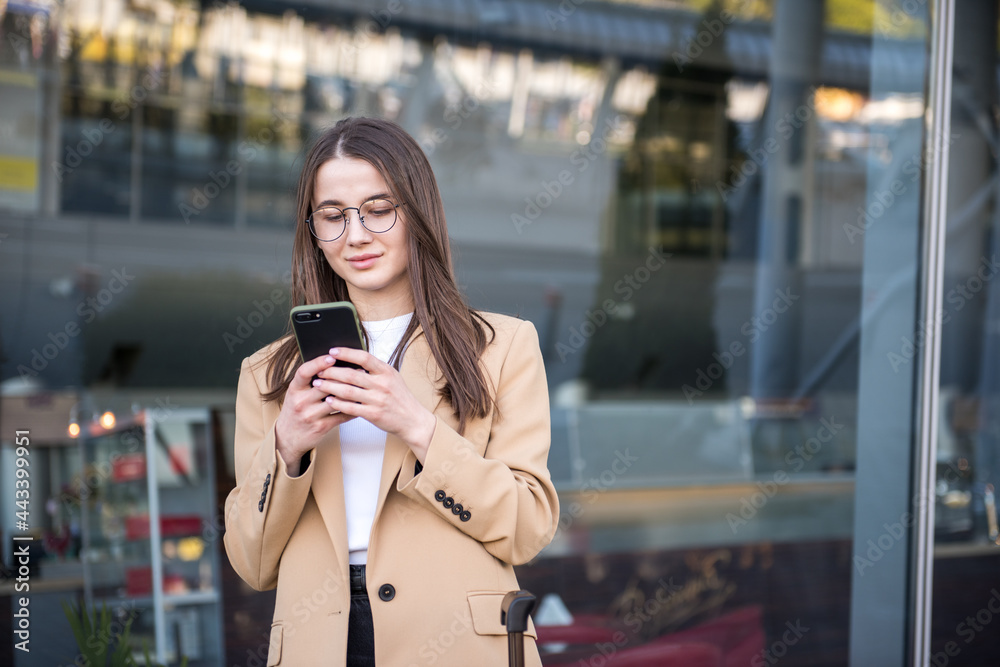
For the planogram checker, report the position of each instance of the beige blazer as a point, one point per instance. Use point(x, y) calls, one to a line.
point(436, 573)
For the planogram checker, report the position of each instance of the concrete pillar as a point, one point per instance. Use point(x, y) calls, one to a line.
point(797, 47)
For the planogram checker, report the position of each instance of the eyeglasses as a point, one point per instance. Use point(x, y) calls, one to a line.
point(329, 222)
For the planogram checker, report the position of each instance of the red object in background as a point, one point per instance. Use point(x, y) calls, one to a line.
point(180, 459)
point(139, 581)
point(128, 467)
point(739, 633)
point(174, 584)
point(731, 640)
point(586, 629)
point(137, 527)
point(57, 542)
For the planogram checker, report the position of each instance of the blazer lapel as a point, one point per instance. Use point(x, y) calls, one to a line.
point(328, 490)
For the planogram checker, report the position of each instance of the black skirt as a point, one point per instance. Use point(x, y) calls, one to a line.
point(360, 628)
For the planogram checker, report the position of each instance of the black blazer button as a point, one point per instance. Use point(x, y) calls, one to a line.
point(386, 592)
point(448, 502)
point(457, 509)
point(465, 516)
point(439, 495)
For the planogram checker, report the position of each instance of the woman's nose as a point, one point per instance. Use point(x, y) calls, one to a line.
point(356, 231)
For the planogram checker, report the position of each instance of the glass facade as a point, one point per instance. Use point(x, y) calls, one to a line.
point(966, 464)
point(721, 216)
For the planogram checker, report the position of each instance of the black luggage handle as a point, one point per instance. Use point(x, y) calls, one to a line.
point(514, 612)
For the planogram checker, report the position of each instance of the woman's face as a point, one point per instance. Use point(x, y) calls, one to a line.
point(373, 265)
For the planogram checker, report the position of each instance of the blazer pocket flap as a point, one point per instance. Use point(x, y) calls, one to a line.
point(274, 646)
point(485, 607)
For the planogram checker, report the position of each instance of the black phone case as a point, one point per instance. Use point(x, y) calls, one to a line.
point(335, 327)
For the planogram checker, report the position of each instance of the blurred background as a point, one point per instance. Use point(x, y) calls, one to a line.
point(717, 214)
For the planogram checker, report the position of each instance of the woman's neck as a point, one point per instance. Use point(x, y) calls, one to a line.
point(378, 309)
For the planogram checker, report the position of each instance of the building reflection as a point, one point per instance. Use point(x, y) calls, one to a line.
point(688, 199)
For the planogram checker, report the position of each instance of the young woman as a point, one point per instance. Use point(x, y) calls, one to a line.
point(388, 505)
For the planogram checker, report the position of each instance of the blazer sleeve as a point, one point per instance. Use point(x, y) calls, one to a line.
point(506, 494)
point(265, 505)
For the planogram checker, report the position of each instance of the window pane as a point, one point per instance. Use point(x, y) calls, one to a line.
point(966, 582)
point(96, 129)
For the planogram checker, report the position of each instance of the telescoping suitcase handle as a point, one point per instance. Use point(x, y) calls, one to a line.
point(514, 612)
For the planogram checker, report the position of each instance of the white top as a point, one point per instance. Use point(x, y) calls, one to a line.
point(362, 446)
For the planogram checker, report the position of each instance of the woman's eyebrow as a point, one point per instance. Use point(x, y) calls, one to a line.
point(340, 204)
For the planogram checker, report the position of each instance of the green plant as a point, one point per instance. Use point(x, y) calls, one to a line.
point(95, 633)
point(94, 636)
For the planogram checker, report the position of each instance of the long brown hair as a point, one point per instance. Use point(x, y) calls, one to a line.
point(455, 333)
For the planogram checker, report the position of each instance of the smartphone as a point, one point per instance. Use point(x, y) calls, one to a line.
point(322, 326)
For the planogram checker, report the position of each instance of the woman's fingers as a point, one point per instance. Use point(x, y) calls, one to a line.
point(342, 390)
point(341, 406)
point(339, 418)
point(367, 361)
point(351, 383)
point(305, 373)
point(320, 413)
point(345, 375)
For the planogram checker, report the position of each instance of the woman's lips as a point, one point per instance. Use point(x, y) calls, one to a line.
point(363, 261)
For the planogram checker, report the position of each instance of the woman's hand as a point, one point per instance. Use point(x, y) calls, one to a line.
point(304, 418)
point(380, 396)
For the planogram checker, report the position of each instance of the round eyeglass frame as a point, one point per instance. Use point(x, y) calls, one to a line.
point(361, 218)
